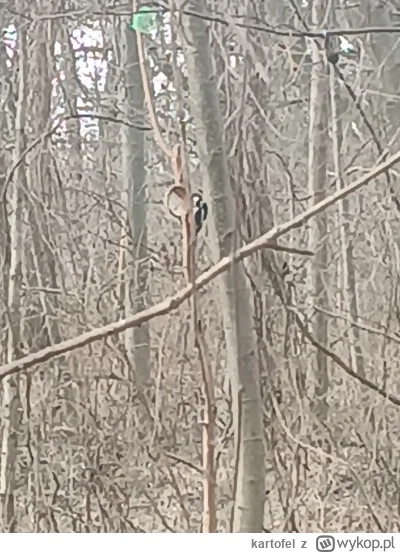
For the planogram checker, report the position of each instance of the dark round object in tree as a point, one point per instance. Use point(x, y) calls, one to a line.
point(333, 58)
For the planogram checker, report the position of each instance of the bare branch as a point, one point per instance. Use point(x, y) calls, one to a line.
point(175, 301)
point(228, 20)
point(329, 353)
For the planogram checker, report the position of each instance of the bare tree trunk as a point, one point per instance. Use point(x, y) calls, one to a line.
point(317, 171)
point(11, 397)
point(384, 48)
point(134, 174)
point(42, 328)
point(40, 257)
point(8, 101)
point(347, 276)
point(237, 307)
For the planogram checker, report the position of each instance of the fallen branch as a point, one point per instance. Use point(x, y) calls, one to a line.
point(175, 301)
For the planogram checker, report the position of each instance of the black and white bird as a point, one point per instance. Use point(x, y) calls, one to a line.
point(200, 211)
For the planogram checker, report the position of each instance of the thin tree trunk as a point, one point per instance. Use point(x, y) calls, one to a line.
point(318, 237)
point(134, 175)
point(8, 101)
point(41, 329)
point(237, 309)
point(11, 397)
point(347, 276)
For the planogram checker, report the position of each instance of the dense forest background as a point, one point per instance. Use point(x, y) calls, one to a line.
point(268, 403)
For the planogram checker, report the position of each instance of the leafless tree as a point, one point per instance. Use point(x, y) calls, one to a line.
point(285, 116)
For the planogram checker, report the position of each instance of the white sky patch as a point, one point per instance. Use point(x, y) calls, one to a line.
point(91, 66)
point(91, 70)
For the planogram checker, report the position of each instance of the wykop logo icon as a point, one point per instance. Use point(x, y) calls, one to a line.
point(325, 543)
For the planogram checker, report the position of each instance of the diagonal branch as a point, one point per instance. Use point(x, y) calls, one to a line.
point(329, 353)
point(173, 302)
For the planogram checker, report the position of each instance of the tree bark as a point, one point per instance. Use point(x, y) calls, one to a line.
point(137, 341)
point(237, 309)
point(347, 274)
point(11, 396)
point(317, 172)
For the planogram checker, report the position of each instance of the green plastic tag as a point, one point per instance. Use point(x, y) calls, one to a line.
point(144, 22)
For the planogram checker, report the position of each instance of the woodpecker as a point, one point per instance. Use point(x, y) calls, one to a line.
point(200, 211)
